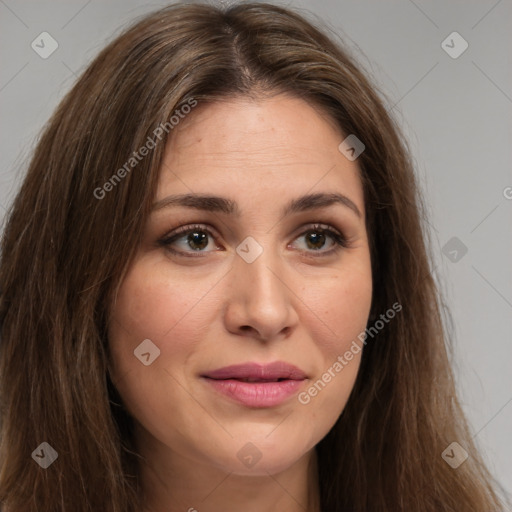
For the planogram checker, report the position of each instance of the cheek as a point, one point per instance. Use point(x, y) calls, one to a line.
point(339, 310)
point(154, 305)
point(339, 306)
point(172, 312)
point(174, 319)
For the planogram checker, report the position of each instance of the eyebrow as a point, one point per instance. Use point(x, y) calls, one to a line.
point(210, 203)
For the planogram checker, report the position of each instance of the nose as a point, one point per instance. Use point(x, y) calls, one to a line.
point(260, 303)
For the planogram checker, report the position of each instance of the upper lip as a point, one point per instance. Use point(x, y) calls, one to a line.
point(254, 371)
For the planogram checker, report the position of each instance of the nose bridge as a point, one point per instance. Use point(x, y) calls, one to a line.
point(258, 265)
point(260, 298)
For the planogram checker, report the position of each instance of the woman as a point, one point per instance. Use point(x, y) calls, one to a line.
point(215, 288)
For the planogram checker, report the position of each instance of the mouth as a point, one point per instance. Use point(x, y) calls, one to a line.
point(256, 380)
point(257, 386)
point(254, 372)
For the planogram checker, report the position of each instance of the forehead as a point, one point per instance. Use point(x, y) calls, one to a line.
point(279, 145)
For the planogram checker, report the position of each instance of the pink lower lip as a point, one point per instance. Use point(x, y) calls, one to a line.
point(257, 394)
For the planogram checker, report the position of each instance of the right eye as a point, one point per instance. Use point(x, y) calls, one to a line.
point(191, 241)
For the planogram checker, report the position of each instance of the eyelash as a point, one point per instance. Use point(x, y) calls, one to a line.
point(339, 239)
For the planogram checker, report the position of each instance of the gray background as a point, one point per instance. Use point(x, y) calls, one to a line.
point(456, 114)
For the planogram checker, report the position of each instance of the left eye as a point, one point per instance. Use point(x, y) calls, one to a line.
point(195, 239)
point(316, 237)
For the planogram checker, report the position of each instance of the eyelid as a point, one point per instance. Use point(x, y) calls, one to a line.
point(325, 228)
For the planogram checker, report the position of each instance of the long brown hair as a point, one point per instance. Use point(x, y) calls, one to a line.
point(65, 251)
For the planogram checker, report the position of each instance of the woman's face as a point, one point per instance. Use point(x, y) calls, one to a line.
point(256, 277)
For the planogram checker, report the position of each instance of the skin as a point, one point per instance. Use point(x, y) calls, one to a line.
point(291, 304)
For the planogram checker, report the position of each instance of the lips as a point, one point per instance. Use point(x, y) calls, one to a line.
point(253, 372)
point(256, 386)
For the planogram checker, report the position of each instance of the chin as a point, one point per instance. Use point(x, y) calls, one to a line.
point(262, 456)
